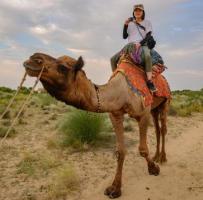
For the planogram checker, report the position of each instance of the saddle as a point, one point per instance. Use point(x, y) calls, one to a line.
point(136, 79)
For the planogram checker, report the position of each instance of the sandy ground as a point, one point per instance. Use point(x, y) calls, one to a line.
point(180, 178)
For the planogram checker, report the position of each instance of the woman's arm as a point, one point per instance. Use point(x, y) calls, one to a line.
point(125, 27)
point(125, 33)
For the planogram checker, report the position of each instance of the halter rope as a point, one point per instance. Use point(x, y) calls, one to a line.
point(23, 105)
point(12, 100)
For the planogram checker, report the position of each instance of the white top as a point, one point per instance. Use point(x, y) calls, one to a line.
point(133, 33)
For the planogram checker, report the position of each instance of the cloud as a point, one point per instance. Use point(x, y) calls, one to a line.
point(186, 52)
point(77, 50)
point(41, 30)
point(28, 5)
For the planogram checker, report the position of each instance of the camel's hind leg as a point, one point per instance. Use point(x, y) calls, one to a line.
point(163, 119)
point(160, 113)
point(114, 190)
point(153, 169)
point(155, 114)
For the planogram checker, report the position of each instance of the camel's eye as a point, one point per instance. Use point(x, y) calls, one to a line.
point(38, 61)
point(62, 69)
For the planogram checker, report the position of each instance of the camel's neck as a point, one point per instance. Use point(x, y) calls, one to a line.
point(83, 95)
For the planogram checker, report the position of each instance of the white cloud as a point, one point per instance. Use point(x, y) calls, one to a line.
point(42, 30)
point(77, 50)
point(190, 51)
point(27, 4)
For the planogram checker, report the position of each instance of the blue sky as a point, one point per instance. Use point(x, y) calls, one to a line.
point(93, 29)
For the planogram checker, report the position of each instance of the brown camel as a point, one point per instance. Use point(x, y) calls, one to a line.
point(64, 79)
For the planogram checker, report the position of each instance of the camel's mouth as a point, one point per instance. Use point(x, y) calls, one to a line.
point(31, 70)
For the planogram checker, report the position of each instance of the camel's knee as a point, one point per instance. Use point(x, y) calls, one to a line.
point(120, 154)
point(144, 152)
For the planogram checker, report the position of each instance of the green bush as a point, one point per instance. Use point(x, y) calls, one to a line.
point(82, 127)
point(5, 89)
point(186, 102)
point(44, 99)
point(25, 90)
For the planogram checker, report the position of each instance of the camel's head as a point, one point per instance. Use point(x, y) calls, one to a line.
point(57, 73)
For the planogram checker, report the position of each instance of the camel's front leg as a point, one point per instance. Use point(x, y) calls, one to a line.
point(143, 148)
point(114, 190)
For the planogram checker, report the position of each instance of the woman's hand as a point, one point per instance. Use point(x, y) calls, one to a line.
point(128, 20)
point(138, 45)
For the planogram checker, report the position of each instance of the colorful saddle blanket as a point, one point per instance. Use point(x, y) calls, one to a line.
point(136, 79)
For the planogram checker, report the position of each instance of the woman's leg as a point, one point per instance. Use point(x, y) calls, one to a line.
point(127, 49)
point(148, 67)
point(148, 62)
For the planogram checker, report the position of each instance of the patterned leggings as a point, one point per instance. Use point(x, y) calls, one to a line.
point(129, 48)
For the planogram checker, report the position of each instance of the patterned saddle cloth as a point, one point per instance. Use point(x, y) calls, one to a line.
point(136, 79)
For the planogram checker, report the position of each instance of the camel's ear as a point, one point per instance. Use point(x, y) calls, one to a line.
point(79, 64)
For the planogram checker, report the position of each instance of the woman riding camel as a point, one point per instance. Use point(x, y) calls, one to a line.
point(139, 34)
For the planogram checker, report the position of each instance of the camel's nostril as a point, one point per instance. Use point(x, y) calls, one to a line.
point(25, 63)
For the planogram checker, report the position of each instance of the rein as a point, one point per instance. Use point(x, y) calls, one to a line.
point(23, 105)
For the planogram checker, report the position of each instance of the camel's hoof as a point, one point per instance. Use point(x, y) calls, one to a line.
point(160, 158)
point(112, 192)
point(156, 157)
point(153, 169)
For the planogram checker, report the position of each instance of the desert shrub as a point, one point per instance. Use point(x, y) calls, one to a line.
point(31, 163)
point(27, 165)
point(5, 89)
point(172, 111)
point(7, 115)
point(25, 90)
point(4, 129)
point(64, 183)
point(44, 99)
point(186, 102)
point(2, 109)
point(6, 122)
point(82, 127)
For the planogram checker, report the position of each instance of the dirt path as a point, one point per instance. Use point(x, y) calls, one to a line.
point(181, 177)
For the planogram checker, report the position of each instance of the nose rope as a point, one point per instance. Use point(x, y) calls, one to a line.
point(12, 100)
point(23, 105)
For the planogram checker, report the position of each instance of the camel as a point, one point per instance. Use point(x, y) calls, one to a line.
point(64, 79)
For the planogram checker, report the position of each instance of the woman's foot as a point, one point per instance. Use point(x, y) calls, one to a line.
point(151, 86)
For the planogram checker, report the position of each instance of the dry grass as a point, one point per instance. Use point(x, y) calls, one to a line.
point(65, 182)
point(32, 163)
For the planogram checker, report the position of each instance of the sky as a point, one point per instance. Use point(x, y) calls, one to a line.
point(93, 29)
